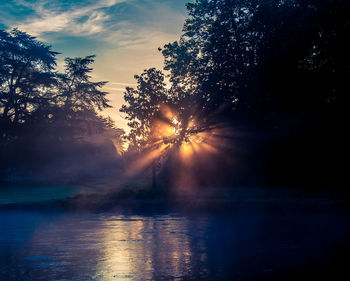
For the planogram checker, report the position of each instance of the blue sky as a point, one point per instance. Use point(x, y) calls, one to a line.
point(124, 34)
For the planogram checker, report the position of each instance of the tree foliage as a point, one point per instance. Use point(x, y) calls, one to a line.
point(266, 61)
point(267, 64)
point(274, 68)
point(26, 74)
point(44, 113)
point(143, 104)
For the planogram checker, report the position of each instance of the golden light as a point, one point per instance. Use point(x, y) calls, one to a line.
point(146, 160)
point(174, 121)
point(192, 148)
point(176, 131)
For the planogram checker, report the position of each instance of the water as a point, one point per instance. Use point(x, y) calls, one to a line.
point(243, 245)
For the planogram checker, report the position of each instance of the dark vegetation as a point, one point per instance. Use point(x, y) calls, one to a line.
point(272, 73)
point(50, 128)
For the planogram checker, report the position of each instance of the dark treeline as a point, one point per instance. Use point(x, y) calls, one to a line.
point(50, 129)
point(274, 72)
point(267, 78)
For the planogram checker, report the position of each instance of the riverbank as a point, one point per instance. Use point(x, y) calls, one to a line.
point(205, 199)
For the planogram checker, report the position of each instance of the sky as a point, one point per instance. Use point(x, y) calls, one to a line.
point(123, 34)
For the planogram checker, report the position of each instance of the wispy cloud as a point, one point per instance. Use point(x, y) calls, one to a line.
point(79, 21)
point(115, 89)
point(122, 83)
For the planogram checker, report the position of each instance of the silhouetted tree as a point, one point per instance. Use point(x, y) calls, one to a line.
point(277, 69)
point(266, 61)
point(49, 121)
point(78, 98)
point(76, 90)
point(143, 104)
point(26, 76)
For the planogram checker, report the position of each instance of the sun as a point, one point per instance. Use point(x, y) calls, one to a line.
point(176, 129)
point(171, 136)
point(174, 121)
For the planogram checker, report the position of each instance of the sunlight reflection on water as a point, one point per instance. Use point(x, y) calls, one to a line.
point(133, 248)
point(105, 247)
point(243, 245)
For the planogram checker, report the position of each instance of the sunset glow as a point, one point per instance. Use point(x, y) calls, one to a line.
point(188, 147)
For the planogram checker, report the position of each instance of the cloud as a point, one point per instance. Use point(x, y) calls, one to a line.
point(149, 22)
point(122, 83)
point(79, 21)
point(114, 89)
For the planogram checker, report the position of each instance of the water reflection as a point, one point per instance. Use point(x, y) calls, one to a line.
point(104, 247)
point(144, 248)
point(244, 245)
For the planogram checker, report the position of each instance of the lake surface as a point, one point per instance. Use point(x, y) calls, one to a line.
point(242, 245)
